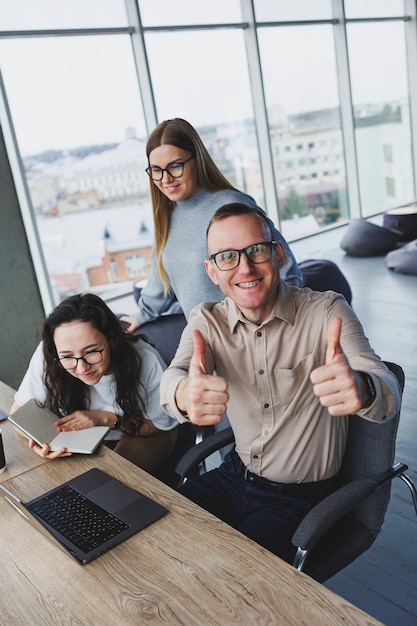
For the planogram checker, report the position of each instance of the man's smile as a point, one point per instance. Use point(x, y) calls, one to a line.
point(254, 283)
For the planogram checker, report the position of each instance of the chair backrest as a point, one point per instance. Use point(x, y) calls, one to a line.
point(322, 274)
point(369, 453)
point(164, 333)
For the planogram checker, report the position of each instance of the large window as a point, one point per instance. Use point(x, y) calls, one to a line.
point(213, 94)
point(302, 104)
point(167, 13)
point(304, 126)
point(81, 132)
point(382, 114)
point(27, 15)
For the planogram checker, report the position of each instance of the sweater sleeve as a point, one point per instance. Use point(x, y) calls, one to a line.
point(290, 272)
point(153, 302)
point(151, 373)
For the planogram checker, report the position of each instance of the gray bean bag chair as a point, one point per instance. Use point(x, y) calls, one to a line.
point(403, 219)
point(403, 260)
point(363, 238)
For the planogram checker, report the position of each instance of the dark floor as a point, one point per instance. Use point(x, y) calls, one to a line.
point(383, 581)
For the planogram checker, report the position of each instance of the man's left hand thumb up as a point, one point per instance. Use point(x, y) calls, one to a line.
point(334, 348)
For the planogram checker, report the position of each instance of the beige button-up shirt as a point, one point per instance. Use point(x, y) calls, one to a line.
point(282, 431)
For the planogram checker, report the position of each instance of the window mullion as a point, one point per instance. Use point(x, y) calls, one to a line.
point(411, 45)
point(141, 64)
point(346, 109)
point(261, 119)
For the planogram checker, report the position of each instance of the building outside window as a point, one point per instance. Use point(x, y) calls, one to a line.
point(390, 186)
point(135, 266)
point(387, 153)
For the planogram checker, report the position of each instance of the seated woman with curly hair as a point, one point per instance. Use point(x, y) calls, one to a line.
point(90, 372)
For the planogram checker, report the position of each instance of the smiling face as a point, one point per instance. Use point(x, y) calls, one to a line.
point(253, 287)
point(175, 188)
point(77, 339)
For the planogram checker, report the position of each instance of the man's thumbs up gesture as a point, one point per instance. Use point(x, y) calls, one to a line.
point(201, 396)
point(340, 388)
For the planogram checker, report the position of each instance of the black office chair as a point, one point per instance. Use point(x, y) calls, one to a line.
point(346, 523)
point(322, 274)
point(164, 334)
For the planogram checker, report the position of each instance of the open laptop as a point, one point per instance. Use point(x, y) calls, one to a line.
point(89, 514)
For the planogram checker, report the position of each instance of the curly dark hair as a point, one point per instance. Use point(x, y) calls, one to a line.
point(64, 392)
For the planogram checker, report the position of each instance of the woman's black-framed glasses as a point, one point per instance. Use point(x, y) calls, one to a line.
point(174, 169)
point(90, 358)
point(256, 253)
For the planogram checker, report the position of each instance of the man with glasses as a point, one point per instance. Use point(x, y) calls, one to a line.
point(288, 365)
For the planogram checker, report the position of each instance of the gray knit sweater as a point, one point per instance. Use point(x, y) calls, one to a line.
point(185, 252)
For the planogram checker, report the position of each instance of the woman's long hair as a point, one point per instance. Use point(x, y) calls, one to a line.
point(64, 392)
point(177, 132)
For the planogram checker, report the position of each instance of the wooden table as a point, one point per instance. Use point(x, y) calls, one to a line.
point(187, 568)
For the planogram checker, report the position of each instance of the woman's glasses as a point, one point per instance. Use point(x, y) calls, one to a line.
point(91, 358)
point(174, 169)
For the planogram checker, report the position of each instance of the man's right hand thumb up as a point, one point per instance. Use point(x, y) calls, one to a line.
point(203, 397)
point(198, 360)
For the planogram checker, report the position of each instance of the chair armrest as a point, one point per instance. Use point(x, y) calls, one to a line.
point(392, 472)
point(195, 455)
point(330, 510)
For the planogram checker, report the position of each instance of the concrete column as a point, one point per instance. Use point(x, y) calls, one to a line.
point(21, 309)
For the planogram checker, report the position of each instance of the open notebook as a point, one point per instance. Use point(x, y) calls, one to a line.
point(38, 423)
point(89, 514)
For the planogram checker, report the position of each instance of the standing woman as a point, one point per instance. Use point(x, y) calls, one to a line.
point(89, 371)
point(187, 188)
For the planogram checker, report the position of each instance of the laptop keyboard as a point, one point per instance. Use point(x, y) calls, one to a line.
point(77, 518)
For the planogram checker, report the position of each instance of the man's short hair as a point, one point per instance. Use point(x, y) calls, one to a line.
point(238, 208)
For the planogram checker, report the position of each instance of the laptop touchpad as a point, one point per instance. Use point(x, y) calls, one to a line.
point(113, 495)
